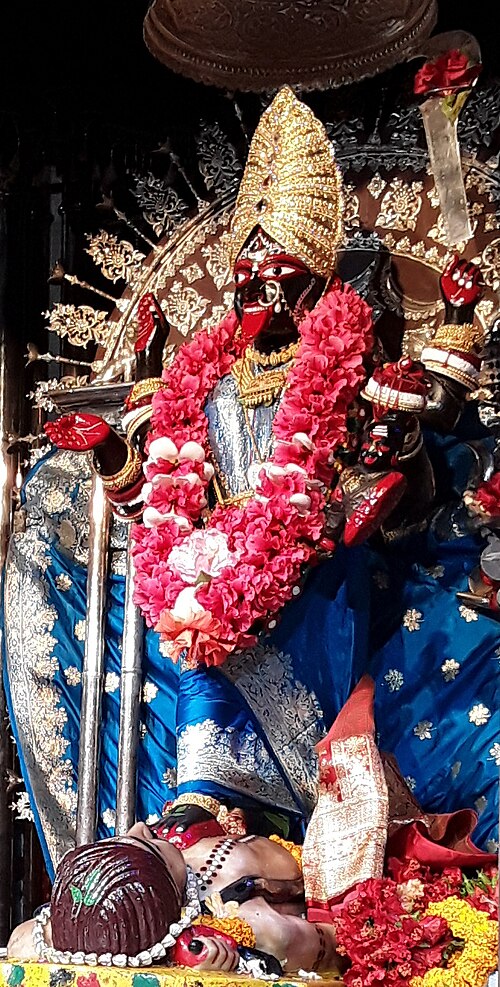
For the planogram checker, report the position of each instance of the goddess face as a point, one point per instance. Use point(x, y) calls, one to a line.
point(273, 291)
point(383, 440)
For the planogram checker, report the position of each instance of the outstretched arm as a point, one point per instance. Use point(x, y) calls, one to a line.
point(296, 943)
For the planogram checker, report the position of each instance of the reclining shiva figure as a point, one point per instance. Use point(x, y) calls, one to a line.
point(239, 903)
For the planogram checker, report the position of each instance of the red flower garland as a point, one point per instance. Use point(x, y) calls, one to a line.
point(382, 930)
point(215, 589)
point(384, 943)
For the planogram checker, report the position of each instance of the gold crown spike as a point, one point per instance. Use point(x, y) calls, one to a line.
point(291, 186)
point(463, 338)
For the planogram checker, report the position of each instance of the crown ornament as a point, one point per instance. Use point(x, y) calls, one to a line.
point(291, 186)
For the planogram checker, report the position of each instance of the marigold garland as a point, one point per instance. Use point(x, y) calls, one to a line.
point(478, 959)
point(236, 927)
point(293, 848)
point(205, 590)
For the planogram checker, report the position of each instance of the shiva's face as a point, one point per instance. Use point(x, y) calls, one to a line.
point(171, 856)
point(273, 289)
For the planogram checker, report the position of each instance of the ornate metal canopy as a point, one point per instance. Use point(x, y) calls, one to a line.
point(261, 44)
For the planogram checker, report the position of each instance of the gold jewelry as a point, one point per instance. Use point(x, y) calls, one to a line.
point(127, 475)
point(206, 802)
point(142, 417)
point(446, 371)
point(463, 338)
point(256, 390)
point(291, 186)
point(274, 358)
point(145, 389)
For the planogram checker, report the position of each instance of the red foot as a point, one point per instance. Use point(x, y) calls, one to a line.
point(379, 501)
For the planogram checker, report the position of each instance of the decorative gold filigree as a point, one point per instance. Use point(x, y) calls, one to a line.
point(291, 186)
point(351, 207)
point(217, 263)
point(490, 264)
point(376, 186)
point(82, 324)
point(184, 307)
point(116, 258)
point(401, 205)
point(192, 273)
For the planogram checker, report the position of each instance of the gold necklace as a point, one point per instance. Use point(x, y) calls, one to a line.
point(275, 357)
point(266, 387)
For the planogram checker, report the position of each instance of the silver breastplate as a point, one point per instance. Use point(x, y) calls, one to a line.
point(240, 438)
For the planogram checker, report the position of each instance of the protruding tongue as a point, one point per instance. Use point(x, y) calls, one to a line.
point(253, 322)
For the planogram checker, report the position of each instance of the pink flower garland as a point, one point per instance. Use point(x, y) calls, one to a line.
point(276, 534)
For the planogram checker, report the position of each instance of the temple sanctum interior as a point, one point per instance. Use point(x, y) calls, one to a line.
point(249, 493)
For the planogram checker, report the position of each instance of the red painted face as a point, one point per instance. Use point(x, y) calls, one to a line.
point(273, 289)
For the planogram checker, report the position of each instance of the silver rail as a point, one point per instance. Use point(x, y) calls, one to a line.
point(93, 664)
point(130, 698)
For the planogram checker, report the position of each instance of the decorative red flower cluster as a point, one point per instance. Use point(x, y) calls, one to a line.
point(385, 944)
point(446, 74)
point(435, 886)
point(269, 541)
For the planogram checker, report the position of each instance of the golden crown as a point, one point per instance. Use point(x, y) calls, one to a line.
point(464, 338)
point(291, 187)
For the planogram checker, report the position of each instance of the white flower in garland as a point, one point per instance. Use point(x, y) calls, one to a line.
point(202, 555)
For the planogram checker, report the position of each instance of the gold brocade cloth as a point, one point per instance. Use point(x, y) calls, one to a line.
point(345, 840)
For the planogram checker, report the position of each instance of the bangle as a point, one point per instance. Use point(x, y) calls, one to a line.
point(127, 475)
point(206, 802)
point(136, 419)
point(454, 337)
point(144, 389)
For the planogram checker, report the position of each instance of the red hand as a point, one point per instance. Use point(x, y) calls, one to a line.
point(462, 283)
point(181, 954)
point(80, 433)
point(149, 313)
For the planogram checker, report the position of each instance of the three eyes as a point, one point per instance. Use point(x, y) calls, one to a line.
point(269, 272)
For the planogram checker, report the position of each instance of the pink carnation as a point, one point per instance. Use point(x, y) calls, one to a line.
point(275, 538)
